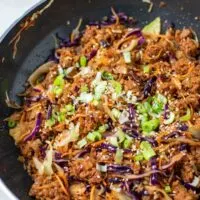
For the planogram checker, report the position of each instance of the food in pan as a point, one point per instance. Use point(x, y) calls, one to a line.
point(114, 115)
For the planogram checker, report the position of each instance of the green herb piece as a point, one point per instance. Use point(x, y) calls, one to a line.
point(58, 85)
point(50, 122)
point(186, 117)
point(120, 135)
point(139, 157)
point(119, 156)
point(82, 143)
point(11, 123)
point(107, 76)
point(116, 113)
point(103, 128)
point(147, 150)
point(146, 69)
point(168, 189)
point(94, 136)
point(113, 140)
point(83, 61)
point(84, 88)
point(117, 87)
point(127, 143)
point(153, 28)
point(151, 125)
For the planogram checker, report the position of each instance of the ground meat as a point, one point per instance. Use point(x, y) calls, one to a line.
point(78, 191)
point(187, 169)
point(181, 192)
point(189, 47)
point(85, 169)
point(47, 187)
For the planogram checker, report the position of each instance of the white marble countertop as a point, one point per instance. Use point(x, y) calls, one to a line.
point(11, 11)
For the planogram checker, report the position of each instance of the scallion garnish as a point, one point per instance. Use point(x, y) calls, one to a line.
point(83, 61)
point(146, 150)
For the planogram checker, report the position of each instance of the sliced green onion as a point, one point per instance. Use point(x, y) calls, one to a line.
point(127, 142)
point(59, 81)
point(186, 117)
point(168, 189)
point(95, 102)
point(170, 118)
point(82, 143)
point(153, 28)
point(70, 109)
point(103, 128)
point(146, 69)
point(83, 61)
point(139, 157)
point(147, 150)
point(113, 140)
point(120, 135)
point(144, 117)
point(101, 168)
point(58, 85)
point(84, 88)
point(116, 113)
point(158, 103)
point(99, 89)
point(107, 76)
point(127, 56)
point(91, 137)
point(85, 97)
point(151, 125)
point(117, 87)
point(119, 156)
point(61, 117)
point(50, 122)
point(94, 136)
point(11, 123)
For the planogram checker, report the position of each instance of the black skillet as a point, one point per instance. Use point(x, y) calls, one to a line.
point(36, 45)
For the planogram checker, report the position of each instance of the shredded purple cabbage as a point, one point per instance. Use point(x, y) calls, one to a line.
point(29, 100)
point(92, 54)
point(104, 43)
point(49, 111)
point(36, 128)
point(183, 127)
point(82, 153)
point(115, 180)
point(136, 31)
point(43, 150)
point(166, 111)
point(154, 177)
point(171, 135)
point(150, 140)
point(111, 148)
point(148, 86)
point(119, 168)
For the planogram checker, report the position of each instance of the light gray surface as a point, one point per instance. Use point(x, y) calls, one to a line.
point(11, 11)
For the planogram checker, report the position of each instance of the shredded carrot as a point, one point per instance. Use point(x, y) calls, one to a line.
point(115, 14)
point(92, 193)
point(95, 144)
point(30, 21)
point(77, 116)
point(61, 184)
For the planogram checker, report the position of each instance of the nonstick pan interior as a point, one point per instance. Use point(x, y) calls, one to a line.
point(36, 44)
